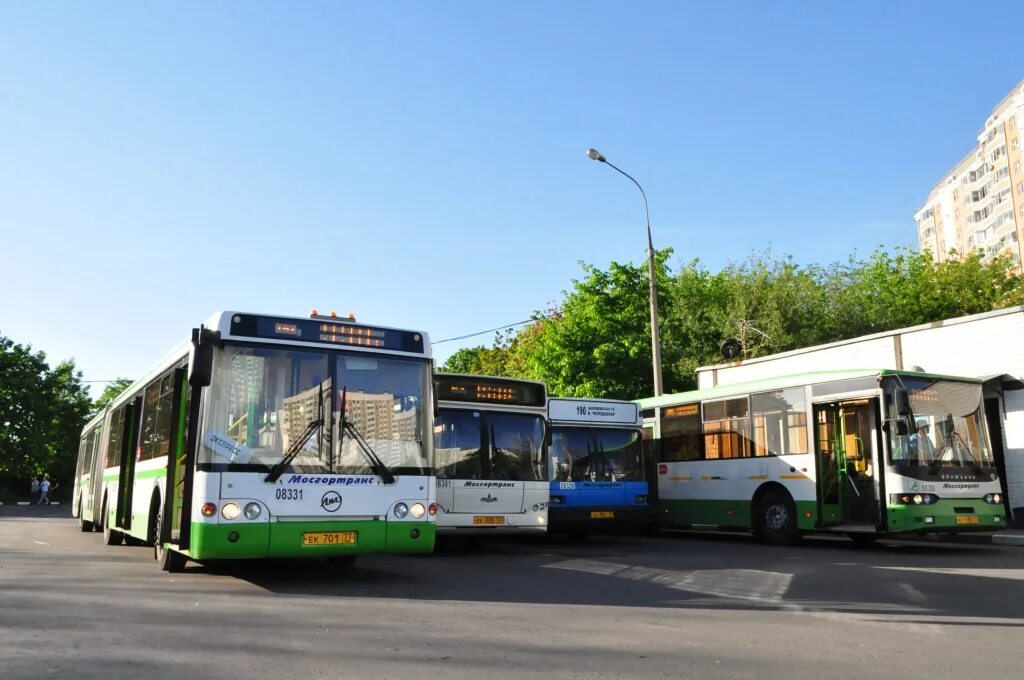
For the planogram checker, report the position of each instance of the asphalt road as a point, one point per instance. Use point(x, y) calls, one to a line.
point(679, 606)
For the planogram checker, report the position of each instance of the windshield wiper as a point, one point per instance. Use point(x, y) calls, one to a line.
point(376, 464)
point(293, 450)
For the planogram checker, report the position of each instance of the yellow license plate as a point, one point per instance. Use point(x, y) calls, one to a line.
point(488, 519)
point(329, 538)
point(967, 519)
point(602, 514)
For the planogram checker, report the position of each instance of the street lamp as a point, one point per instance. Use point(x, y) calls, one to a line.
point(655, 334)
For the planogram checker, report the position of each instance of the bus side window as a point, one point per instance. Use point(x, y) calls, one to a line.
point(681, 435)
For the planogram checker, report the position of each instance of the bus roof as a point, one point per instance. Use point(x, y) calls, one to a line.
point(781, 382)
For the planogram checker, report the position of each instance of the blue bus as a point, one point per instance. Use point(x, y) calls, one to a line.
point(596, 466)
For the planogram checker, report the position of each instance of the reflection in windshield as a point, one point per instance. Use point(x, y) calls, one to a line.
point(581, 454)
point(947, 427)
point(261, 401)
point(384, 401)
point(489, 445)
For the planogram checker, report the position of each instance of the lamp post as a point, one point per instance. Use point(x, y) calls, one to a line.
point(653, 286)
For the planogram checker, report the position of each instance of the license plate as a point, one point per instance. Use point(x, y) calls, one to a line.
point(602, 514)
point(329, 538)
point(489, 519)
point(967, 519)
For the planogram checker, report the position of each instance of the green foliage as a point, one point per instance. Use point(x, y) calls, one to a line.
point(111, 392)
point(598, 344)
point(42, 411)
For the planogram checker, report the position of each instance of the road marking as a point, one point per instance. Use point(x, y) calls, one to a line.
point(1008, 574)
point(40, 543)
point(737, 584)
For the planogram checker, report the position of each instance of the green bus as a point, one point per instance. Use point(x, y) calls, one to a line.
point(865, 453)
point(268, 436)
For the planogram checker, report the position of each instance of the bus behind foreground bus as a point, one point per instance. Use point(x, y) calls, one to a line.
point(597, 473)
point(268, 436)
point(490, 444)
point(863, 453)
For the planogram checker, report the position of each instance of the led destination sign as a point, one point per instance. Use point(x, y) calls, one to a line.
point(489, 390)
point(326, 332)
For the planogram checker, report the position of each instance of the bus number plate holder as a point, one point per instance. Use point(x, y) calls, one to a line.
point(488, 519)
point(602, 514)
point(329, 538)
point(967, 519)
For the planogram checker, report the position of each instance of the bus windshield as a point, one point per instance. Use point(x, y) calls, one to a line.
point(947, 426)
point(580, 454)
point(472, 444)
point(263, 400)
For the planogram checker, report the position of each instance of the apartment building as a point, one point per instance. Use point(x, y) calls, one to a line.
point(979, 205)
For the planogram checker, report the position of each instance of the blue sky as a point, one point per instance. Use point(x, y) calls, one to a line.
point(423, 165)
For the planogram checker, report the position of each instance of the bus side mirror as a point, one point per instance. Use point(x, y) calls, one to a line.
point(900, 426)
point(902, 400)
point(200, 356)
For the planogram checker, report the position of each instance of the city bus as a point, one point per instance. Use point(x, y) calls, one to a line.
point(490, 448)
point(596, 469)
point(268, 436)
point(864, 453)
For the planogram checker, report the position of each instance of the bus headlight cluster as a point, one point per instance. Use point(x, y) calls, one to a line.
point(417, 510)
point(230, 511)
point(915, 499)
point(994, 498)
point(252, 510)
point(401, 510)
point(539, 506)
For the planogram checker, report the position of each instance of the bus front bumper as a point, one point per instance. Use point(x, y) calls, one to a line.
point(573, 519)
point(248, 540)
point(946, 516)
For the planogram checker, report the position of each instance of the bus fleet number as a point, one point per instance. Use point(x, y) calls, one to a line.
point(288, 494)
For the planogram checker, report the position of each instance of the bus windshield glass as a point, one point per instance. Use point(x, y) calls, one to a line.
point(947, 426)
point(262, 401)
point(580, 454)
point(472, 444)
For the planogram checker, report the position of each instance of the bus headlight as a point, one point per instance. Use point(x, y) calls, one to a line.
point(994, 498)
point(417, 510)
point(230, 511)
point(253, 510)
point(209, 509)
point(913, 499)
point(432, 509)
point(401, 510)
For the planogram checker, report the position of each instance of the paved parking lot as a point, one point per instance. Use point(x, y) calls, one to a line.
point(682, 605)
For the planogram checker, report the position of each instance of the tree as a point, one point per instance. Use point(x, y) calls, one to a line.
point(42, 411)
point(111, 392)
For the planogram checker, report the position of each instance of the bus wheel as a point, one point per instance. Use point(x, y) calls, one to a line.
point(775, 519)
point(111, 536)
point(84, 525)
point(169, 560)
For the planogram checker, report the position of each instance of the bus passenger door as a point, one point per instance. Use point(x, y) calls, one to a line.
point(174, 493)
point(126, 475)
point(830, 461)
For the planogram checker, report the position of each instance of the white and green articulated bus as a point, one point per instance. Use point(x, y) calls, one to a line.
point(268, 436)
point(864, 453)
point(490, 443)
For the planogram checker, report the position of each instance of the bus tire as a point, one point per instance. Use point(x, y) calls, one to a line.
point(111, 536)
point(775, 518)
point(84, 525)
point(169, 560)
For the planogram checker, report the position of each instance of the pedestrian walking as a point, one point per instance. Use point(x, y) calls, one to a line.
point(44, 490)
point(33, 496)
